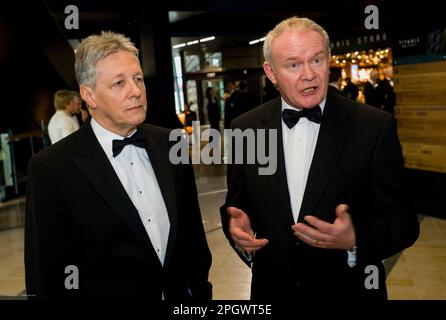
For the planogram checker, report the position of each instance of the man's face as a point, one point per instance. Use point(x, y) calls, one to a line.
point(119, 100)
point(300, 67)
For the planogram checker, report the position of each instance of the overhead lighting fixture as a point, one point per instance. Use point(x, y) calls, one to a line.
point(256, 41)
point(207, 39)
point(180, 45)
point(192, 42)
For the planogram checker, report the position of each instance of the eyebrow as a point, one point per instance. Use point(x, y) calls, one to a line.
point(292, 59)
point(321, 52)
point(120, 75)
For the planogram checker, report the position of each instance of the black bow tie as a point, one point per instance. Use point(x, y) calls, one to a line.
point(291, 117)
point(139, 139)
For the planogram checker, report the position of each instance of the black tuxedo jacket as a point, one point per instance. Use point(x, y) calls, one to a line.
point(78, 213)
point(357, 161)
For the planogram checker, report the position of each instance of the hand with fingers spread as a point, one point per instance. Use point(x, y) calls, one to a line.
point(241, 231)
point(337, 235)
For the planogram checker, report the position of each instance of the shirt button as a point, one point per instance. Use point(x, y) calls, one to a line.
point(140, 192)
point(131, 163)
point(298, 283)
point(150, 220)
point(297, 243)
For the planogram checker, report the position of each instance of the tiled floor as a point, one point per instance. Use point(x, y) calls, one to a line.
point(419, 273)
point(12, 269)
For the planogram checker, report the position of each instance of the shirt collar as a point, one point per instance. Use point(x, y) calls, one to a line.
point(106, 137)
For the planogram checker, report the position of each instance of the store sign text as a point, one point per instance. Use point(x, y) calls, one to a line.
point(359, 41)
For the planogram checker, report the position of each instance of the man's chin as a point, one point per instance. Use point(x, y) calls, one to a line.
point(140, 118)
point(137, 123)
point(310, 103)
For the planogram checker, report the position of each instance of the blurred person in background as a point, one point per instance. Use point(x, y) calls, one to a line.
point(64, 122)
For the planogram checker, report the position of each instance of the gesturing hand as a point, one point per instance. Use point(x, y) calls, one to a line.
point(337, 235)
point(241, 231)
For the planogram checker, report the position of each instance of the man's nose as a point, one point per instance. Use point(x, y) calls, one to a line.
point(307, 72)
point(135, 88)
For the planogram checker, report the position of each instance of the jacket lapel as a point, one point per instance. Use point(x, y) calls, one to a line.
point(166, 181)
point(97, 169)
point(277, 183)
point(333, 132)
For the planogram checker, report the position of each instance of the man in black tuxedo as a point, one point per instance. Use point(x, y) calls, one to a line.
point(371, 95)
point(108, 216)
point(350, 90)
point(320, 226)
point(386, 95)
point(335, 80)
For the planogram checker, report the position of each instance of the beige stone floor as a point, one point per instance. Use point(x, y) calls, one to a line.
point(12, 269)
point(419, 272)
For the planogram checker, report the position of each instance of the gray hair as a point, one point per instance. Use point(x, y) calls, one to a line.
point(292, 23)
point(95, 48)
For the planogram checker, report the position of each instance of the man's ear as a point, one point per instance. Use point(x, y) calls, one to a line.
point(268, 68)
point(87, 95)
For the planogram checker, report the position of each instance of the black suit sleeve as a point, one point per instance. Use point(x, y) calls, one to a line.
point(199, 256)
point(237, 195)
point(47, 236)
point(391, 224)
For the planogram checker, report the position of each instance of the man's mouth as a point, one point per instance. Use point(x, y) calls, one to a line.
point(308, 90)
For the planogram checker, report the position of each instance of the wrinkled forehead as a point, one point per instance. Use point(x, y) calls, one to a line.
point(302, 35)
point(118, 63)
point(299, 42)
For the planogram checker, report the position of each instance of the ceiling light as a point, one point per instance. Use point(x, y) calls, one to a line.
point(207, 39)
point(180, 45)
point(192, 42)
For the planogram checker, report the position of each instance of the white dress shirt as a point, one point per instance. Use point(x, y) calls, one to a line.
point(136, 174)
point(61, 125)
point(299, 143)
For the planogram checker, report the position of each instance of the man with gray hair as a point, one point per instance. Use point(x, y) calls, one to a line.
point(108, 216)
point(320, 226)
